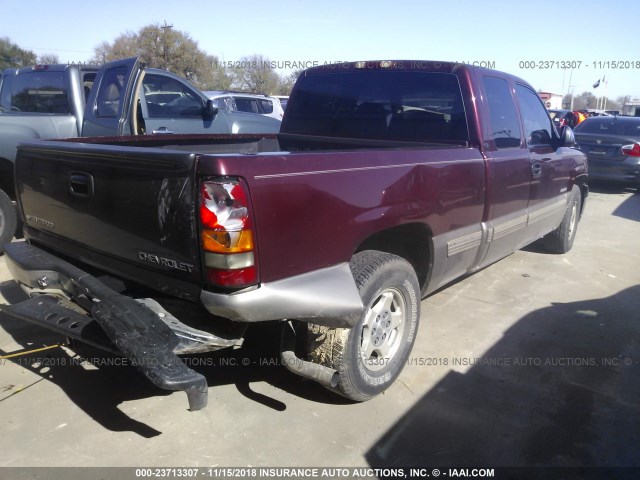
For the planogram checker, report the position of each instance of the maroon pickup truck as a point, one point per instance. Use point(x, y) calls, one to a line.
point(387, 181)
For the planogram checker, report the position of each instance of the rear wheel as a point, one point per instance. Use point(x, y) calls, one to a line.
point(370, 356)
point(561, 239)
point(8, 219)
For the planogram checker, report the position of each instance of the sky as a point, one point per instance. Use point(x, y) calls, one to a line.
point(599, 39)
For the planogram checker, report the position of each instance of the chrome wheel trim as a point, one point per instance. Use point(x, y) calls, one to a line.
point(382, 330)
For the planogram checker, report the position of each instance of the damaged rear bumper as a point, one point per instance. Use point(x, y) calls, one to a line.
point(327, 297)
point(125, 325)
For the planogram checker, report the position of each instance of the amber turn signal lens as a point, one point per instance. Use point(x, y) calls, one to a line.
point(227, 242)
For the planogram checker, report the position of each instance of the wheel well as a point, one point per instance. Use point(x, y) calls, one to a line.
point(6, 178)
point(411, 242)
point(584, 191)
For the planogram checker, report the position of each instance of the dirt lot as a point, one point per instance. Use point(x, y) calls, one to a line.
point(532, 361)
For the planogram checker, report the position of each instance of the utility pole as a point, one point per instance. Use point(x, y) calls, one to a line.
point(571, 87)
point(165, 48)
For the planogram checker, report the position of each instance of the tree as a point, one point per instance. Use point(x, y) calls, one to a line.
point(588, 100)
point(160, 46)
point(255, 75)
point(48, 59)
point(616, 104)
point(584, 100)
point(126, 45)
point(286, 82)
point(12, 56)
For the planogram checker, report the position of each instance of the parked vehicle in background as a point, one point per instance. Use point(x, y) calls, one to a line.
point(593, 112)
point(283, 100)
point(612, 146)
point(247, 103)
point(562, 118)
point(120, 98)
point(387, 181)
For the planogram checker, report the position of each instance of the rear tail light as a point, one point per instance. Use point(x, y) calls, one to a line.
point(632, 150)
point(227, 237)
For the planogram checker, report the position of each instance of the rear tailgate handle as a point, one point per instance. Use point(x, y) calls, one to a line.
point(80, 184)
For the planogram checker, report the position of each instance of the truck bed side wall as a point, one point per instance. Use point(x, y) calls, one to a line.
point(316, 210)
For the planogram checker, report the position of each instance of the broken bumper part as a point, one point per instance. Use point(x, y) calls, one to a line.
point(131, 327)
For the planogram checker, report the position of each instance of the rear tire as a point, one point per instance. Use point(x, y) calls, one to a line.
point(370, 356)
point(561, 239)
point(8, 219)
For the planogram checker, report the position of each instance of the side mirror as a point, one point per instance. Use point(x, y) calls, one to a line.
point(567, 138)
point(210, 110)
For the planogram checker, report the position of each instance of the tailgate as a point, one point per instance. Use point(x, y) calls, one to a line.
point(113, 206)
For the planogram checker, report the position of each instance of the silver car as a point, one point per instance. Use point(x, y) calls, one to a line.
point(247, 102)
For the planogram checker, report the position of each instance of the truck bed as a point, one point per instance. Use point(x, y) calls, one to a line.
point(145, 197)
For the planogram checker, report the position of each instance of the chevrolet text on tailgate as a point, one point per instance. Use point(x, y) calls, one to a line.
point(387, 181)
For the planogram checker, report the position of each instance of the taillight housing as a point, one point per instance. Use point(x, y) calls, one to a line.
point(227, 237)
point(632, 150)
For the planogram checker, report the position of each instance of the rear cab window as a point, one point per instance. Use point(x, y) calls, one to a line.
point(378, 104)
point(40, 91)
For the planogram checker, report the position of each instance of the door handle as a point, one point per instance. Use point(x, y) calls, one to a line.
point(80, 184)
point(536, 169)
point(161, 131)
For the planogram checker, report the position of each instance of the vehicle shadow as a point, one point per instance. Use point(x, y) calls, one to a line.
point(111, 380)
point(561, 389)
point(611, 188)
point(629, 209)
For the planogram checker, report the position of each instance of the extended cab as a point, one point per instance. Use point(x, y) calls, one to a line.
point(387, 181)
point(120, 98)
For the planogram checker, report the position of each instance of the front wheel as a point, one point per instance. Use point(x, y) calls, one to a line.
point(370, 356)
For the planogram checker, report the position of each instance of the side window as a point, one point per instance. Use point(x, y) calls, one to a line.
point(5, 93)
point(267, 106)
point(249, 105)
point(537, 126)
point(111, 88)
point(505, 125)
point(87, 83)
point(225, 104)
point(166, 97)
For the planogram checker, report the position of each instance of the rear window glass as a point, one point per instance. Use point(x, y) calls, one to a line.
point(37, 92)
point(611, 126)
point(386, 105)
